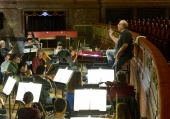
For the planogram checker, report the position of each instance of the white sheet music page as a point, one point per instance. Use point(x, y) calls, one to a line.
point(63, 75)
point(9, 86)
point(94, 76)
point(90, 99)
point(100, 75)
point(32, 87)
point(81, 100)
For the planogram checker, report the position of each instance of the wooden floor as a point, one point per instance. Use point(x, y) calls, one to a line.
point(12, 101)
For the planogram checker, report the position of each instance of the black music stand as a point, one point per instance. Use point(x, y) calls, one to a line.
point(28, 56)
point(7, 90)
point(53, 69)
point(23, 87)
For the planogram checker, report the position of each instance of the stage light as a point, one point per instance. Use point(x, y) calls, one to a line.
point(45, 14)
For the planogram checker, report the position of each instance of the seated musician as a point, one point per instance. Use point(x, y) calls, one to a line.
point(60, 106)
point(74, 83)
point(37, 61)
point(23, 69)
point(120, 87)
point(96, 48)
point(46, 85)
point(64, 53)
point(5, 64)
point(33, 47)
point(125, 93)
point(13, 65)
point(30, 110)
point(4, 50)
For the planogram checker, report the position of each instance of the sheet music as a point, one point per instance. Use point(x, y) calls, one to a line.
point(9, 86)
point(90, 99)
point(63, 75)
point(100, 75)
point(32, 87)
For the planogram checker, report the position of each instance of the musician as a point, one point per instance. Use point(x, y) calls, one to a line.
point(4, 50)
point(30, 110)
point(33, 47)
point(5, 64)
point(123, 47)
point(37, 61)
point(96, 48)
point(125, 93)
point(23, 69)
point(60, 106)
point(74, 83)
point(13, 65)
point(73, 53)
point(46, 85)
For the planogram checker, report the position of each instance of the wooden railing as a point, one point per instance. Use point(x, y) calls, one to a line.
point(150, 74)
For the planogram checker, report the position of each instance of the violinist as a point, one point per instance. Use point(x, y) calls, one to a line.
point(40, 78)
point(23, 69)
point(38, 60)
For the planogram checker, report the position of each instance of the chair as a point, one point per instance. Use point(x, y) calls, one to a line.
point(45, 108)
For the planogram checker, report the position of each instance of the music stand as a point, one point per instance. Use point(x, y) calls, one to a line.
point(95, 76)
point(7, 90)
point(90, 101)
point(34, 88)
point(53, 69)
point(62, 77)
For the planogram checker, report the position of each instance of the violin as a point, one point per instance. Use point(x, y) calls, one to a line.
point(28, 73)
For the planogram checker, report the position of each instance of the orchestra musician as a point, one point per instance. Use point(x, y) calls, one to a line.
point(33, 47)
point(5, 64)
point(74, 83)
point(30, 110)
point(40, 78)
point(4, 50)
point(13, 65)
point(38, 60)
point(23, 69)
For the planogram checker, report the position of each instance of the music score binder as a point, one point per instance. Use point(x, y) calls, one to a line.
point(32, 87)
point(90, 99)
point(63, 75)
point(95, 76)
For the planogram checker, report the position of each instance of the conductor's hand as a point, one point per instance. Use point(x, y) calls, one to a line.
point(110, 31)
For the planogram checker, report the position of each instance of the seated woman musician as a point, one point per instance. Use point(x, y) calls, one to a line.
point(74, 83)
point(30, 110)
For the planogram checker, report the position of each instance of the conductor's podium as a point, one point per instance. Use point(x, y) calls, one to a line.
point(90, 57)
